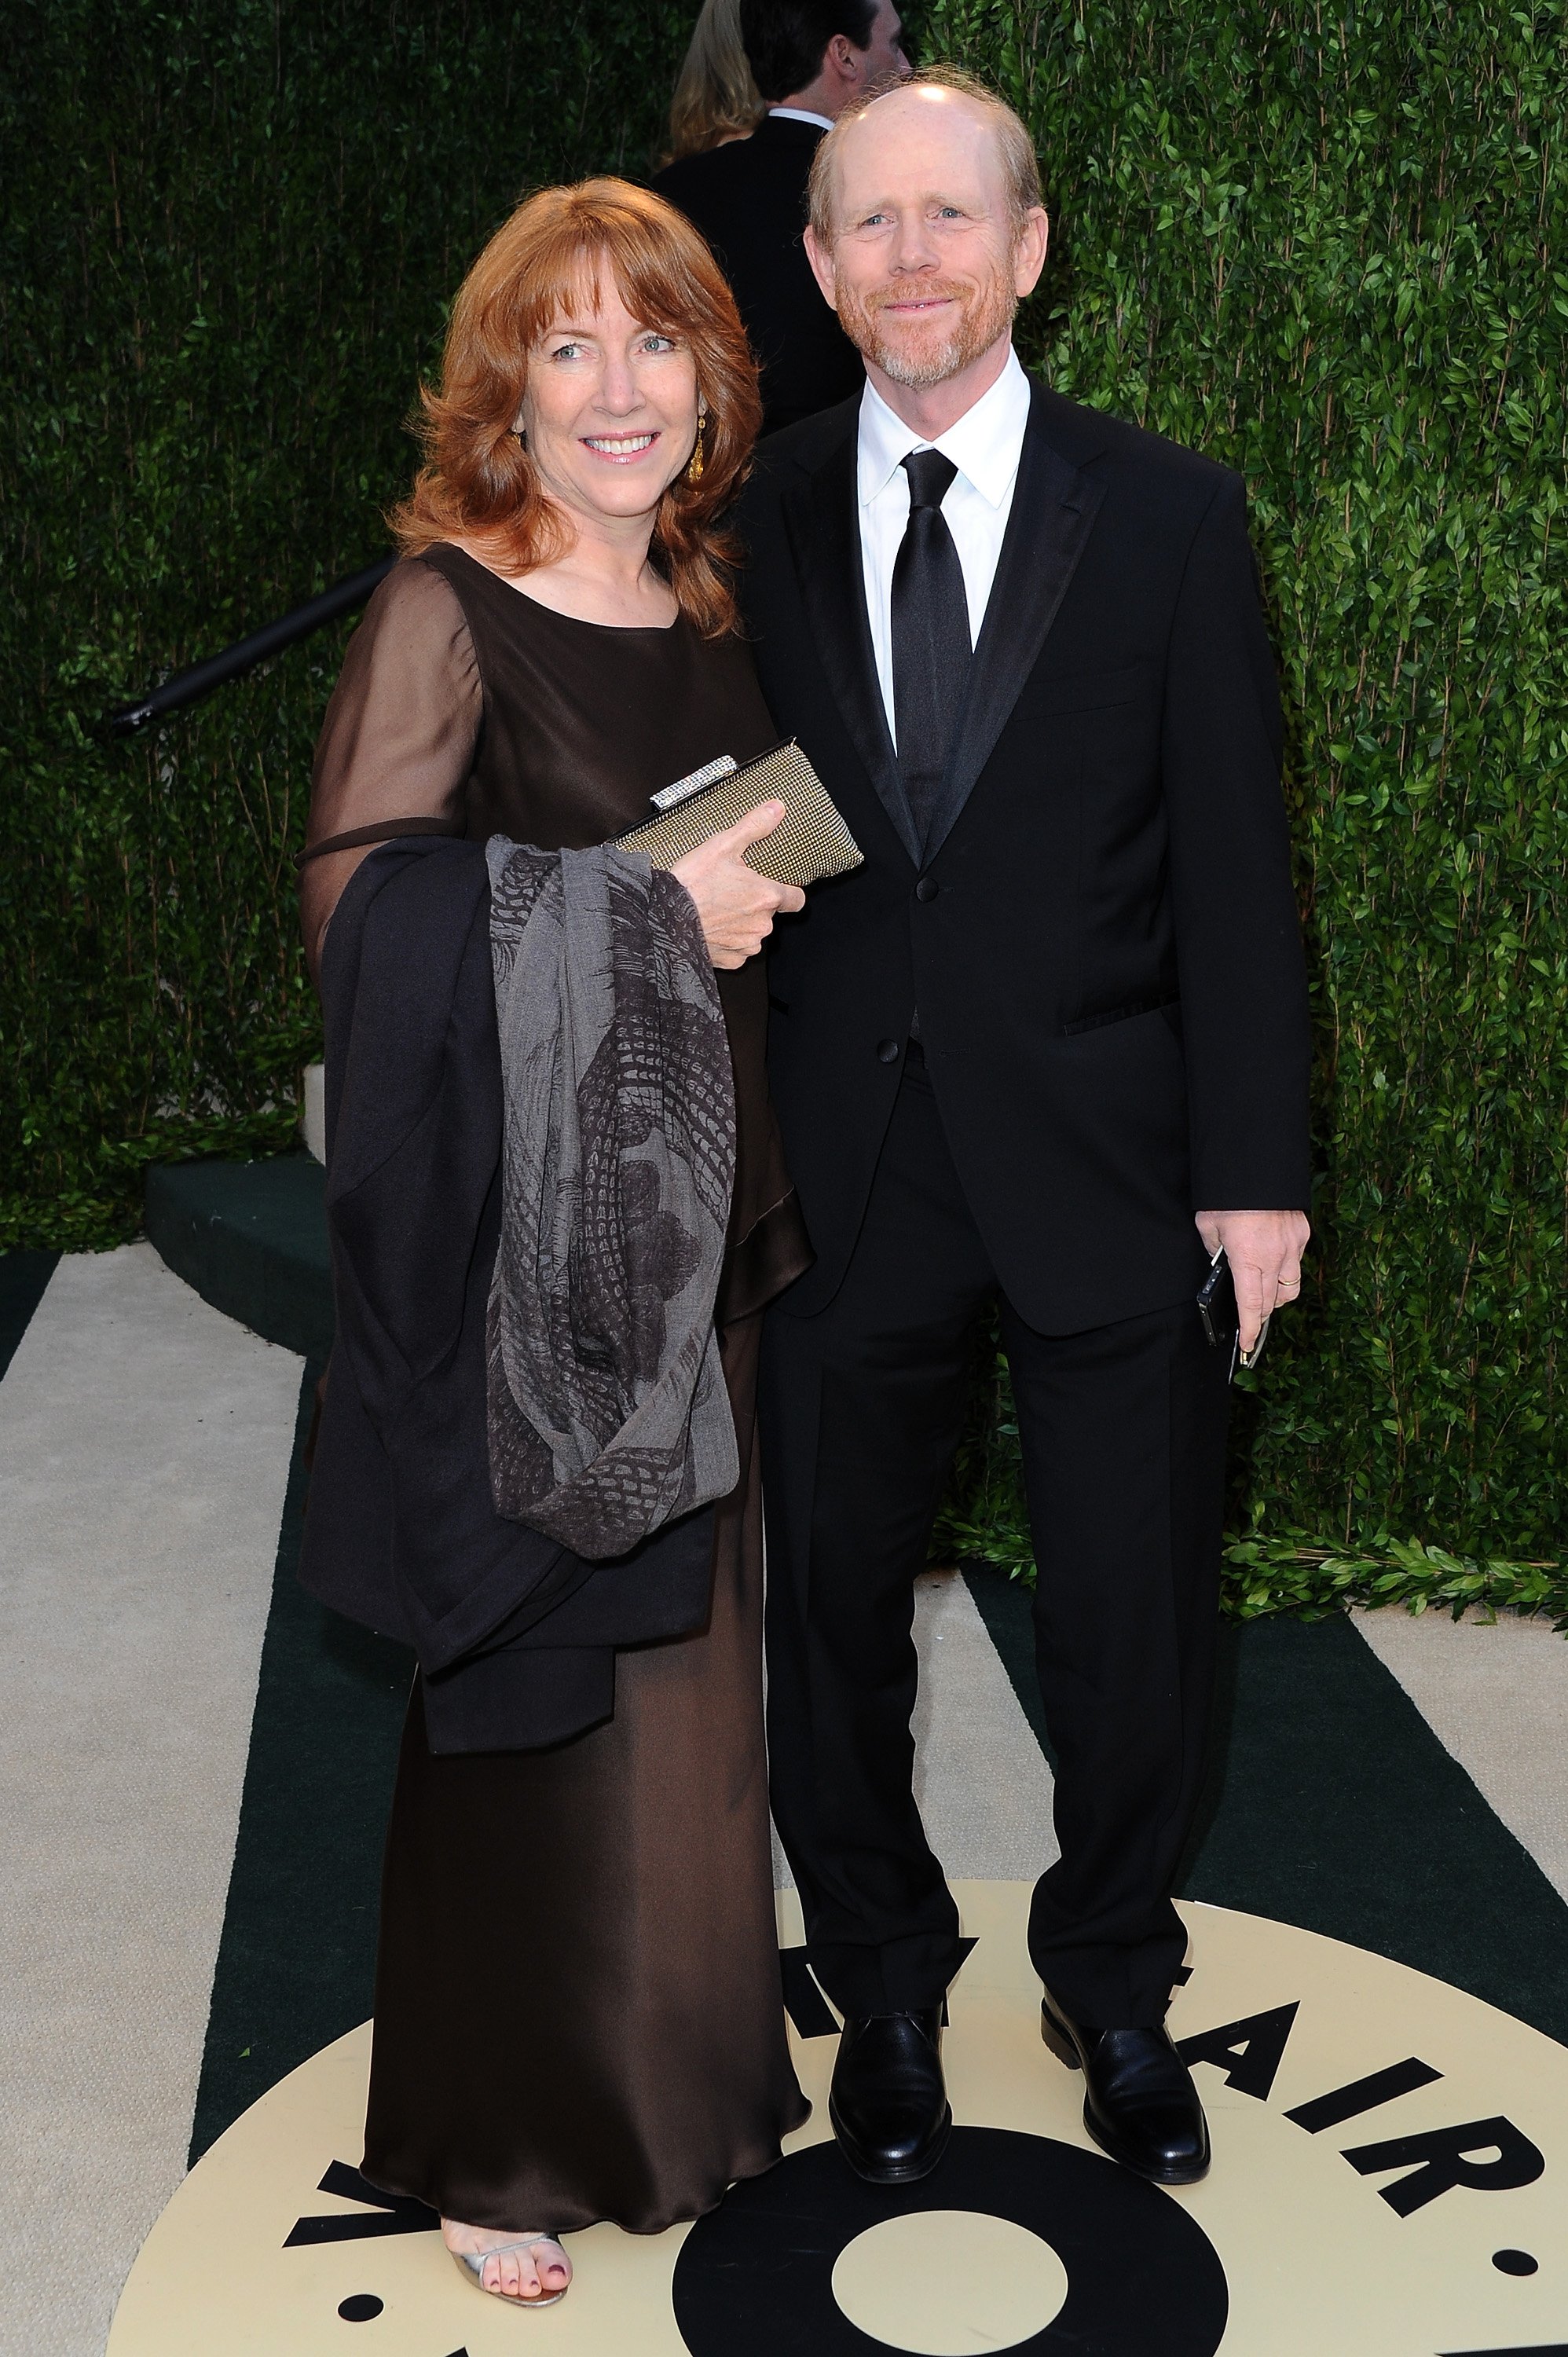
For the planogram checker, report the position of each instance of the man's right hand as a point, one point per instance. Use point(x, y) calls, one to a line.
point(1264, 1250)
point(736, 905)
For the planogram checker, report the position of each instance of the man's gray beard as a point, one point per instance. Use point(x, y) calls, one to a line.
point(919, 370)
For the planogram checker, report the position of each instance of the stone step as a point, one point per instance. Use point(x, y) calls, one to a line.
point(250, 1237)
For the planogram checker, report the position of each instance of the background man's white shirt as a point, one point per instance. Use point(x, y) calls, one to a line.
point(985, 445)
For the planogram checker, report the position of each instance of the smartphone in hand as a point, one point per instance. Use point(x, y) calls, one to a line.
point(1222, 1320)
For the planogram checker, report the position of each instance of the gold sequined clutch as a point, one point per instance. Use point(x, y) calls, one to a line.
point(809, 842)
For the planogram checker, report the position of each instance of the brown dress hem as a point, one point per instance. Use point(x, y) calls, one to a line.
point(558, 2223)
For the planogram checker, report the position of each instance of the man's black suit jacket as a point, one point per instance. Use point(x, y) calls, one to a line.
point(1099, 933)
point(748, 198)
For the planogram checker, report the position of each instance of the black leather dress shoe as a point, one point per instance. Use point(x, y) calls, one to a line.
point(1140, 2104)
point(888, 2105)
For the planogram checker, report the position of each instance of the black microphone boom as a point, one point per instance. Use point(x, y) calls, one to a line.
point(189, 686)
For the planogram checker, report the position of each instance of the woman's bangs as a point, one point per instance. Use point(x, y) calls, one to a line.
point(655, 289)
point(560, 284)
point(564, 278)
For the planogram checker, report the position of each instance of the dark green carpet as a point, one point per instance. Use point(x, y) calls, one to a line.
point(296, 1958)
point(1331, 1804)
point(23, 1276)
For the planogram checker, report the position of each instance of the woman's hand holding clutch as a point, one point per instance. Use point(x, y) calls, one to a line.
point(736, 905)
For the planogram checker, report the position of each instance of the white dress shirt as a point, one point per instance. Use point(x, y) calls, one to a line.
point(985, 446)
point(802, 114)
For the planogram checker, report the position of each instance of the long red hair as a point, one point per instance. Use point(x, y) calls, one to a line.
point(477, 481)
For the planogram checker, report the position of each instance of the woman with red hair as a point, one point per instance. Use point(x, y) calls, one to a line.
point(578, 2005)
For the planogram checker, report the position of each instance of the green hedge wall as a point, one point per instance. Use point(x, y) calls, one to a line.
point(1324, 245)
point(228, 235)
point(1327, 245)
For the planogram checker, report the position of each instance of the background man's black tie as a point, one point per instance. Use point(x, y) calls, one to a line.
point(931, 636)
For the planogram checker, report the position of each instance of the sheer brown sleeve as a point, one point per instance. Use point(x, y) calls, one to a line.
point(399, 737)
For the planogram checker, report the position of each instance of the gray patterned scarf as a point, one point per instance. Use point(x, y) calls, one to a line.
point(606, 1403)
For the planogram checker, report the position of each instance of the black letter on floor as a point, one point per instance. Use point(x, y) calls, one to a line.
point(390, 2213)
point(1362, 2095)
point(1442, 2152)
point(804, 2000)
point(1252, 2049)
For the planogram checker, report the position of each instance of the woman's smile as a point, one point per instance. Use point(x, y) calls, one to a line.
point(619, 448)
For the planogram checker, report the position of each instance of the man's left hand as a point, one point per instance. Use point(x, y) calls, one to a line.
point(1264, 1250)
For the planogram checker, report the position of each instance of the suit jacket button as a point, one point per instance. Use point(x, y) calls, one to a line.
point(926, 888)
point(887, 1049)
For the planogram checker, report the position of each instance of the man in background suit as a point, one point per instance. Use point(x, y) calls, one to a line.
point(1043, 1053)
point(810, 59)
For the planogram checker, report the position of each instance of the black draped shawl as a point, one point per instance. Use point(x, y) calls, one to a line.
point(516, 1636)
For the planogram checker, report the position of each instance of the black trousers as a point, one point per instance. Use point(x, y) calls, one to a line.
point(1123, 1431)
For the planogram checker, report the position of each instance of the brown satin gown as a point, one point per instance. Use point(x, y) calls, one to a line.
point(578, 2011)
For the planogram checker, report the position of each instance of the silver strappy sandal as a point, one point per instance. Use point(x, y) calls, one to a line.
point(473, 2264)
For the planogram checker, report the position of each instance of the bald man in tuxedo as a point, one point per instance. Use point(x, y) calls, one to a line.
point(1042, 1056)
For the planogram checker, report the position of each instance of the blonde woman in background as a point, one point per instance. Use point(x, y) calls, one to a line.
point(715, 98)
point(808, 59)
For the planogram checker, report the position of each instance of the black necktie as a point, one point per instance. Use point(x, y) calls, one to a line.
point(931, 636)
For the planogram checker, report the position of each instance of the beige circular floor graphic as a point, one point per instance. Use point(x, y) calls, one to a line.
point(1391, 2180)
point(949, 2283)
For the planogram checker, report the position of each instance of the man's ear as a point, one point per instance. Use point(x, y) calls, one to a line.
point(843, 60)
point(821, 258)
point(1029, 251)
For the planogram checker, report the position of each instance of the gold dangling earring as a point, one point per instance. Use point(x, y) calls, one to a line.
point(694, 464)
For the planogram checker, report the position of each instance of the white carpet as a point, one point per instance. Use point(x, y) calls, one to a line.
point(144, 1451)
point(983, 1788)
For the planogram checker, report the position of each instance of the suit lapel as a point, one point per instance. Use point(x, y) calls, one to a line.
point(1054, 508)
point(822, 517)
